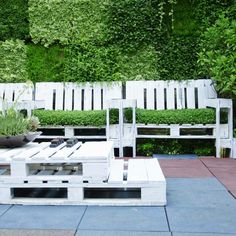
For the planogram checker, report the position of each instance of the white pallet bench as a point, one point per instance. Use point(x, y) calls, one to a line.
point(191, 94)
point(154, 95)
point(100, 181)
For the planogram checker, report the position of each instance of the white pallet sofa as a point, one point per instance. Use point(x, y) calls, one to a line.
point(77, 97)
point(192, 94)
point(155, 95)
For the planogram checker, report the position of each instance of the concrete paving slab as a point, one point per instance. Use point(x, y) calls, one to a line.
point(42, 217)
point(195, 184)
point(175, 156)
point(207, 199)
point(4, 208)
point(125, 218)
point(19, 232)
point(202, 220)
point(186, 172)
point(119, 233)
point(201, 234)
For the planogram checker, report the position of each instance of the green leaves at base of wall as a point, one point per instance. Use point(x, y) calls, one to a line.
point(148, 147)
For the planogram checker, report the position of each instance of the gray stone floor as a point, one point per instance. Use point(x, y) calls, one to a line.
point(196, 207)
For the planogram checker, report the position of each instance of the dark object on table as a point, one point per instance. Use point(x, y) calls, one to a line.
point(18, 140)
point(56, 142)
point(71, 142)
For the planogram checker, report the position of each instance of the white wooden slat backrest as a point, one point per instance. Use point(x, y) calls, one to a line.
point(11, 92)
point(51, 93)
point(208, 83)
point(111, 90)
point(160, 95)
point(78, 96)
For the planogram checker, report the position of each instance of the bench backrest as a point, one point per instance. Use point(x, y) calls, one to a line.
point(156, 95)
point(160, 95)
point(12, 92)
point(75, 96)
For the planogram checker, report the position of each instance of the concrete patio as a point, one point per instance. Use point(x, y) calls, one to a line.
point(201, 202)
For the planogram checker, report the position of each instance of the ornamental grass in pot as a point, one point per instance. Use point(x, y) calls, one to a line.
point(17, 130)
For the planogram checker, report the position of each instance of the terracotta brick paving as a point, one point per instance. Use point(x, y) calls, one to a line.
point(182, 168)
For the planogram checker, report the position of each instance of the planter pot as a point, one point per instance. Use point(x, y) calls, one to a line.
point(18, 140)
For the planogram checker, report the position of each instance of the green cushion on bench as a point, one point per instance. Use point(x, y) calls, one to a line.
point(74, 118)
point(181, 116)
point(98, 118)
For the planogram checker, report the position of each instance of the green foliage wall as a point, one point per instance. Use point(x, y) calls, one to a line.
point(13, 66)
point(104, 40)
point(177, 58)
point(14, 22)
point(63, 21)
point(109, 63)
point(135, 22)
point(45, 64)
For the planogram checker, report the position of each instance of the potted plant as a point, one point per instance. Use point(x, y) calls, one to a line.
point(17, 130)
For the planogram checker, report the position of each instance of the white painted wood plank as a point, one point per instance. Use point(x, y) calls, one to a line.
point(170, 94)
point(59, 89)
point(150, 94)
point(77, 97)
point(116, 172)
point(160, 95)
point(179, 96)
point(94, 151)
point(130, 94)
point(15, 151)
point(111, 91)
point(88, 97)
point(31, 152)
point(44, 91)
point(2, 150)
point(65, 152)
point(9, 92)
point(202, 93)
point(211, 92)
point(68, 96)
point(2, 89)
point(138, 89)
point(48, 152)
point(136, 171)
point(190, 95)
point(23, 91)
point(97, 96)
point(154, 170)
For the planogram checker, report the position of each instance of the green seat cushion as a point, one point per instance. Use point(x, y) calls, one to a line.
point(98, 118)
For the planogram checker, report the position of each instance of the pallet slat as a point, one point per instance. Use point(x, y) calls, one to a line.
point(137, 171)
point(116, 172)
point(65, 152)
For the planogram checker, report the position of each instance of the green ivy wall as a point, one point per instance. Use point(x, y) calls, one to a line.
point(103, 40)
